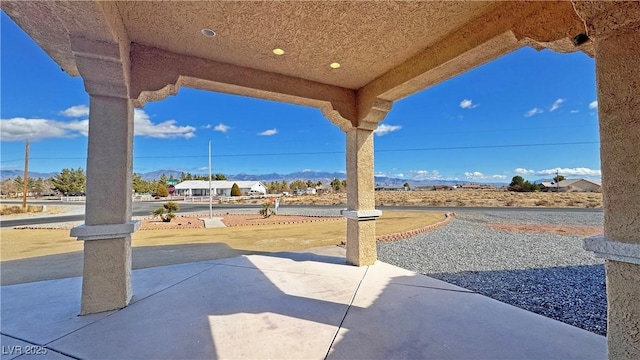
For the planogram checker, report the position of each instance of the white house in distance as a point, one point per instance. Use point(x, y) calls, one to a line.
point(219, 188)
point(573, 185)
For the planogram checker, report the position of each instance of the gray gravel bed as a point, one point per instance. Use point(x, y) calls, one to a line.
point(535, 217)
point(544, 273)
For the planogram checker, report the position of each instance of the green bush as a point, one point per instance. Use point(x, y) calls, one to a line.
point(235, 190)
point(519, 184)
point(267, 209)
point(162, 190)
point(170, 207)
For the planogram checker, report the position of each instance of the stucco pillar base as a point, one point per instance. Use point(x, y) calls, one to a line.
point(623, 316)
point(361, 242)
point(106, 282)
point(360, 212)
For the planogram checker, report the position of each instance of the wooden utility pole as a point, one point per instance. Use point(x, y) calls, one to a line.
point(26, 178)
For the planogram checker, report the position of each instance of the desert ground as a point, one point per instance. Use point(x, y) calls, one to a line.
point(485, 198)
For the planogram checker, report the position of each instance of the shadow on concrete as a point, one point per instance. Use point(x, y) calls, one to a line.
point(288, 305)
point(309, 256)
point(575, 295)
point(70, 264)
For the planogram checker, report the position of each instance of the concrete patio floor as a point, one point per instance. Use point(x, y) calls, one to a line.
point(304, 305)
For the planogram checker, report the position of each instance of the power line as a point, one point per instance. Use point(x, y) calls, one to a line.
point(333, 152)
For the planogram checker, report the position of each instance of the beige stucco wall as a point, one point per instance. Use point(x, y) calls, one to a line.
point(618, 80)
point(106, 281)
point(360, 180)
point(615, 28)
point(361, 242)
point(623, 315)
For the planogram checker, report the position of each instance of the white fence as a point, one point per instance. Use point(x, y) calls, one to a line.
point(73, 198)
point(181, 198)
point(84, 198)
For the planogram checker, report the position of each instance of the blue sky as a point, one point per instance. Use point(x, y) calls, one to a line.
point(485, 125)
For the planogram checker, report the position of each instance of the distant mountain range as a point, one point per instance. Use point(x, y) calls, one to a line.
point(12, 174)
point(322, 176)
point(315, 176)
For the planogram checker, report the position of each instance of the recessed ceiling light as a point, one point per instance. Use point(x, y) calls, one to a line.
point(334, 65)
point(278, 51)
point(208, 32)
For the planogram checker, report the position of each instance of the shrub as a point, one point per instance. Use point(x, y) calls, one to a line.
point(572, 203)
point(521, 185)
point(267, 209)
point(170, 207)
point(437, 202)
point(235, 190)
point(162, 190)
point(17, 209)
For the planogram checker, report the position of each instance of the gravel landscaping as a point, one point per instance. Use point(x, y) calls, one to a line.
point(546, 273)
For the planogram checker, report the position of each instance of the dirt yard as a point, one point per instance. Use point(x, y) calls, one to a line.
point(230, 220)
point(485, 198)
point(553, 229)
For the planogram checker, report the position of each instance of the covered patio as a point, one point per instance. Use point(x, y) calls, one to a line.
point(351, 60)
point(295, 305)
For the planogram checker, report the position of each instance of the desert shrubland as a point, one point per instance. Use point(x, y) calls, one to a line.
point(476, 198)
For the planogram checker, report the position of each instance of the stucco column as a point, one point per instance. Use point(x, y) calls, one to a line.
point(361, 212)
point(618, 80)
point(618, 77)
point(106, 283)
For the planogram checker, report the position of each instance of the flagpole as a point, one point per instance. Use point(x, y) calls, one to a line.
point(210, 194)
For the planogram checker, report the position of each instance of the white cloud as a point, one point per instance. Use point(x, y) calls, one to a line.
point(574, 111)
point(593, 105)
point(477, 175)
point(412, 174)
point(221, 128)
point(268, 132)
point(533, 111)
point(164, 130)
point(82, 126)
point(76, 111)
point(424, 175)
point(556, 104)
point(524, 172)
point(566, 172)
point(474, 175)
point(384, 129)
point(467, 104)
point(17, 129)
point(451, 117)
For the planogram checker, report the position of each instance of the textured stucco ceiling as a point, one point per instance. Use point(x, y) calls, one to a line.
point(146, 50)
point(366, 38)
